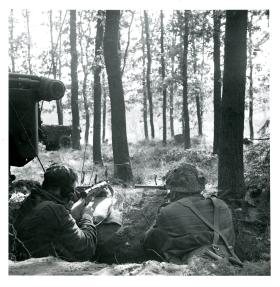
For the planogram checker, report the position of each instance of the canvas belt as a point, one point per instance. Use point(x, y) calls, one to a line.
point(215, 227)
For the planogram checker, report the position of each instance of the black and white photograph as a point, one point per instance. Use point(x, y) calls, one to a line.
point(139, 142)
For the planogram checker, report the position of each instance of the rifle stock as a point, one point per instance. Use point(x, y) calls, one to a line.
point(91, 191)
point(87, 194)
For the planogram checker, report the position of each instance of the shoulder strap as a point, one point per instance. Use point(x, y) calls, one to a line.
point(216, 221)
point(190, 205)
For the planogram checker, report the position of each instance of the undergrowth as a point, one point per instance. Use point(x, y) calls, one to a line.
point(150, 161)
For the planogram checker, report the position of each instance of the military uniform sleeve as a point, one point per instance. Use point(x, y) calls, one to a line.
point(156, 236)
point(74, 242)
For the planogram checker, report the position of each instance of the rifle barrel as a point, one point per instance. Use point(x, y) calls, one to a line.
point(162, 187)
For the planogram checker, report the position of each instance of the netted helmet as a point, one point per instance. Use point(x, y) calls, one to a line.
point(185, 178)
point(58, 175)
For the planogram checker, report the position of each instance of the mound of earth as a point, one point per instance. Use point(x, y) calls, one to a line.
point(198, 266)
point(123, 254)
point(55, 266)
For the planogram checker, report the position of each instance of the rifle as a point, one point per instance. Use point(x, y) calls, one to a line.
point(160, 187)
point(87, 193)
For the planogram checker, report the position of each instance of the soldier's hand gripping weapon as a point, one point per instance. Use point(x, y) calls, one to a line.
point(87, 194)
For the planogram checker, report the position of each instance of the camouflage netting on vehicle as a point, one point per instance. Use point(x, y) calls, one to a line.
point(56, 136)
point(186, 176)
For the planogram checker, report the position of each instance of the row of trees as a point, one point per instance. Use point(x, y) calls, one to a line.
point(175, 64)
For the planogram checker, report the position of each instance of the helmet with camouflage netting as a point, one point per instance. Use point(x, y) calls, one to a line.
point(185, 178)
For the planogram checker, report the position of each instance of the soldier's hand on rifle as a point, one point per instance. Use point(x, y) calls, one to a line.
point(88, 209)
point(77, 208)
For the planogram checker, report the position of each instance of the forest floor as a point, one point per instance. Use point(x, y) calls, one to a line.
point(151, 161)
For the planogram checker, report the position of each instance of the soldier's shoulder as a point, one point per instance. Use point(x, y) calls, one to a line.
point(50, 208)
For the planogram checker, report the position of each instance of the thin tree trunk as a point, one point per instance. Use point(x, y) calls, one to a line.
point(128, 42)
point(104, 109)
point(52, 46)
point(148, 74)
point(86, 107)
point(171, 96)
point(59, 51)
point(54, 70)
point(198, 113)
point(197, 97)
point(186, 124)
point(217, 80)
point(145, 107)
point(163, 80)
point(58, 61)
point(97, 157)
point(201, 95)
point(74, 83)
point(28, 42)
point(85, 65)
point(251, 97)
point(122, 167)
point(59, 112)
point(231, 169)
point(12, 48)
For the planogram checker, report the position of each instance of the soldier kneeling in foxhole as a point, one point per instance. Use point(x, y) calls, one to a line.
point(46, 225)
point(191, 224)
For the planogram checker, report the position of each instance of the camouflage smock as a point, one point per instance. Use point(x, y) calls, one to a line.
point(46, 228)
point(177, 231)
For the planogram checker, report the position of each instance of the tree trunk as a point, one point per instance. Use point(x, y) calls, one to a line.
point(201, 95)
point(59, 102)
point(59, 50)
point(217, 80)
point(86, 107)
point(54, 70)
point(171, 96)
point(196, 90)
point(85, 66)
point(122, 167)
point(11, 40)
point(104, 109)
point(145, 107)
point(148, 74)
point(128, 42)
point(186, 124)
point(251, 97)
point(163, 80)
point(74, 83)
point(231, 170)
point(97, 157)
point(198, 113)
point(28, 42)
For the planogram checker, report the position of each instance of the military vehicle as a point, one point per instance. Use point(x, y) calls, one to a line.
point(25, 92)
point(55, 137)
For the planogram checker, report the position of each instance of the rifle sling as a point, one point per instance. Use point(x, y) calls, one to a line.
point(216, 220)
point(190, 205)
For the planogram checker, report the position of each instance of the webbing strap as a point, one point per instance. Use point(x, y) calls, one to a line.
point(190, 205)
point(216, 220)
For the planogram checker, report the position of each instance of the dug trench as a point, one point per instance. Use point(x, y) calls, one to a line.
point(138, 211)
point(123, 253)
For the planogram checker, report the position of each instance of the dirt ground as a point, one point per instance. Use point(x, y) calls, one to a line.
point(54, 266)
point(125, 255)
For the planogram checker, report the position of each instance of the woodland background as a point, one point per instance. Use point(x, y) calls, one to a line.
point(40, 44)
point(165, 57)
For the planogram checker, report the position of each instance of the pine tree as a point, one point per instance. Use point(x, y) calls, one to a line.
point(122, 167)
point(231, 169)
